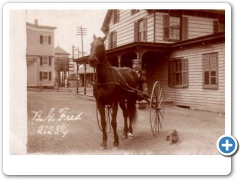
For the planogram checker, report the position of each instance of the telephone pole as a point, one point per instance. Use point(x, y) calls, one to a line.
point(83, 32)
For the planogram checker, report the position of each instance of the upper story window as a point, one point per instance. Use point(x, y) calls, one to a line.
point(116, 15)
point(175, 28)
point(140, 30)
point(134, 11)
point(45, 39)
point(210, 70)
point(112, 40)
point(178, 72)
point(45, 61)
point(218, 26)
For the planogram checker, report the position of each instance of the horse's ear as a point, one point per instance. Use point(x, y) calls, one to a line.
point(94, 36)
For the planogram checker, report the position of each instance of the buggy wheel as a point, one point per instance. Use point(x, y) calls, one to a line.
point(108, 116)
point(156, 109)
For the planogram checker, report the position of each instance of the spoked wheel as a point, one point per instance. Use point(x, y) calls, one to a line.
point(108, 116)
point(156, 109)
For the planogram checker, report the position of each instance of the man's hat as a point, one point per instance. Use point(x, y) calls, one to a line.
point(135, 61)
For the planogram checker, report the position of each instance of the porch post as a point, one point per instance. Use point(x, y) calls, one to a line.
point(119, 56)
point(139, 54)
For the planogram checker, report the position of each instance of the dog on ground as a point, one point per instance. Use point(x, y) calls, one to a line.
point(172, 136)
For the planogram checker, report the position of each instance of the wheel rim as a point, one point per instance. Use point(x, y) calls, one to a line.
point(156, 109)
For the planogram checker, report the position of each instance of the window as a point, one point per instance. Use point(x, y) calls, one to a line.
point(45, 76)
point(134, 11)
point(178, 72)
point(45, 39)
point(175, 28)
point(112, 40)
point(140, 30)
point(45, 61)
point(210, 70)
point(115, 16)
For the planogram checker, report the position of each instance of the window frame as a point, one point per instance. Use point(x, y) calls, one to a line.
point(45, 75)
point(45, 61)
point(182, 29)
point(45, 39)
point(112, 40)
point(116, 16)
point(206, 59)
point(181, 72)
point(140, 36)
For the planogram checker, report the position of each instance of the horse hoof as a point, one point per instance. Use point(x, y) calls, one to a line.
point(116, 144)
point(130, 136)
point(103, 147)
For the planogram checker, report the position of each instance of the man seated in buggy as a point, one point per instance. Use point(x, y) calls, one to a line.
point(142, 85)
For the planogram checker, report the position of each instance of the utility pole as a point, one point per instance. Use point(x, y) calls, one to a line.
point(83, 32)
point(73, 57)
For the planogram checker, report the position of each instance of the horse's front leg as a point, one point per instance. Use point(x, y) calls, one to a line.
point(101, 109)
point(114, 123)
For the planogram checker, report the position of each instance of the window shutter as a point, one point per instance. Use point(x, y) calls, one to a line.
point(109, 41)
point(213, 69)
point(40, 75)
point(40, 61)
point(184, 28)
point(49, 77)
point(49, 39)
point(205, 69)
point(145, 29)
point(165, 26)
point(215, 26)
point(114, 39)
point(170, 72)
point(118, 15)
point(184, 72)
point(41, 39)
point(136, 32)
point(50, 61)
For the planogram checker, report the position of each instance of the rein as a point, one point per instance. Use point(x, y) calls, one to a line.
point(128, 88)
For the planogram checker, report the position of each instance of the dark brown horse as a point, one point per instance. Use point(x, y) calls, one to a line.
point(113, 86)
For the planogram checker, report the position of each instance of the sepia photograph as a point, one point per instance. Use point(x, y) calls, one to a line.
point(119, 81)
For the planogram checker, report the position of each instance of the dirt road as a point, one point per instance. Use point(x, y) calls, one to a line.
point(65, 123)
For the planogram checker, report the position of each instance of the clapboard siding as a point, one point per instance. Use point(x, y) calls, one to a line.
point(195, 96)
point(125, 27)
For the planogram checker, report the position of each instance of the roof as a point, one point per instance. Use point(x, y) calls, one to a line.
point(81, 70)
point(210, 13)
point(59, 50)
point(40, 26)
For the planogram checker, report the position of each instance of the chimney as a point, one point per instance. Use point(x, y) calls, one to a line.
point(36, 22)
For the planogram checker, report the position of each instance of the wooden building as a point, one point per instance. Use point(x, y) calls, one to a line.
point(183, 49)
point(40, 55)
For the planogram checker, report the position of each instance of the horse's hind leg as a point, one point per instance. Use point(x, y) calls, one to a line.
point(114, 123)
point(131, 108)
point(101, 109)
point(125, 115)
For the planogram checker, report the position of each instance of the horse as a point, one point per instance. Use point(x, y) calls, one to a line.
point(113, 85)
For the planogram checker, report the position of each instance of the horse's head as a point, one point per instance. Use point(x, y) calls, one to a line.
point(97, 50)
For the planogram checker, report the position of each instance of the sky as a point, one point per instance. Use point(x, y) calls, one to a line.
point(67, 22)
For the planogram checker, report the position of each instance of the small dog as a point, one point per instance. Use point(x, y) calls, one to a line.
point(172, 136)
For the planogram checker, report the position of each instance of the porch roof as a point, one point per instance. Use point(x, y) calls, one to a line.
point(161, 47)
